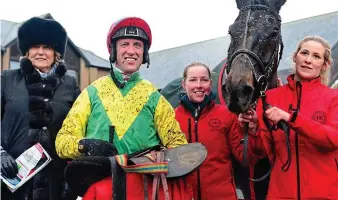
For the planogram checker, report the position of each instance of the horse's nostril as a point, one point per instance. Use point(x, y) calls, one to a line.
point(245, 89)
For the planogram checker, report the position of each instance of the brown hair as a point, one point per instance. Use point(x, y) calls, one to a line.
point(195, 64)
point(324, 73)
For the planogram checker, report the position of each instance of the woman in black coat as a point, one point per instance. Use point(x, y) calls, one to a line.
point(35, 100)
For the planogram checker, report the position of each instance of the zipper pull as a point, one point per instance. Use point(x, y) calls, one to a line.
point(196, 112)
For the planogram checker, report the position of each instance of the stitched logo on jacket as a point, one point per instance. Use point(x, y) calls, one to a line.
point(319, 116)
point(214, 124)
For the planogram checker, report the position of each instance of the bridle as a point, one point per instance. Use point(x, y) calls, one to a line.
point(263, 75)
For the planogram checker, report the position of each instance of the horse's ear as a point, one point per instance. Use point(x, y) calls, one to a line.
point(275, 4)
point(279, 4)
point(242, 3)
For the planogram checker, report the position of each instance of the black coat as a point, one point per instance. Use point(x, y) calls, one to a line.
point(16, 117)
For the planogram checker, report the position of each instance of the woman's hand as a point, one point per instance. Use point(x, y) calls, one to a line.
point(250, 117)
point(9, 168)
point(275, 114)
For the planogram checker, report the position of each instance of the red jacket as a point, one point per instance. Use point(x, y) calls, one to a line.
point(313, 173)
point(216, 128)
point(102, 190)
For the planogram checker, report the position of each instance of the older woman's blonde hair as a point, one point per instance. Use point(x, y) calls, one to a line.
point(325, 72)
point(57, 58)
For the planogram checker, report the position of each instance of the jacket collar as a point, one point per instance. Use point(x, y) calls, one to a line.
point(305, 84)
point(121, 77)
point(196, 109)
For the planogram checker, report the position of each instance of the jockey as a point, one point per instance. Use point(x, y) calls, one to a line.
point(121, 113)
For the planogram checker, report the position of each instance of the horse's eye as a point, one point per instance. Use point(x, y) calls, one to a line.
point(274, 35)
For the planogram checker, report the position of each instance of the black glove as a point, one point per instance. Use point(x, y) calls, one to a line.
point(42, 136)
point(9, 167)
point(97, 147)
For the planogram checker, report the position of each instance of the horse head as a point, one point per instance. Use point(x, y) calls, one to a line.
point(254, 52)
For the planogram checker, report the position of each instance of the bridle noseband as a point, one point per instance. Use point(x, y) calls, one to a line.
point(263, 75)
point(264, 72)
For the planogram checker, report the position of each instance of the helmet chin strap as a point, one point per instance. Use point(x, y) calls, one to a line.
point(112, 62)
point(112, 74)
point(116, 68)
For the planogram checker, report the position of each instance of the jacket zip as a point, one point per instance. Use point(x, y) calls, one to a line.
point(299, 96)
point(298, 169)
point(196, 140)
point(189, 130)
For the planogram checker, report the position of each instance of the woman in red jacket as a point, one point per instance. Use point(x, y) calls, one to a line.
point(310, 110)
point(215, 127)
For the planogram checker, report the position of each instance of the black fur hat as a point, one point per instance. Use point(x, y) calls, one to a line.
point(37, 31)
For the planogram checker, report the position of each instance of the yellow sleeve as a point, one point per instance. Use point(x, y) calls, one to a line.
point(73, 128)
point(167, 126)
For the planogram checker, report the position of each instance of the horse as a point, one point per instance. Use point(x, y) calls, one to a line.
point(254, 53)
point(249, 69)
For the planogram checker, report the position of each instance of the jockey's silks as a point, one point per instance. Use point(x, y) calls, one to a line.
point(141, 116)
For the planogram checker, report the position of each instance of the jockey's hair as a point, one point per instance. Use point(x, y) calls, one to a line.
point(195, 64)
point(324, 73)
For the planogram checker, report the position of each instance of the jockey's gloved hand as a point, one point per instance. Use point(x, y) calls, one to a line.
point(9, 168)
point(96, 147)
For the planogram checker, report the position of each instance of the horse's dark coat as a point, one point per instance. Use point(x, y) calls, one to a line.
point(258, 31)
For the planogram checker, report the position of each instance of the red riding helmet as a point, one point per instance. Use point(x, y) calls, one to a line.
point(130, 27)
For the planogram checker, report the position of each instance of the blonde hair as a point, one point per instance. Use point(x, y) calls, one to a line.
point(335, 85)
point(324, 73)
point(57, 58)
point(195, 64)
